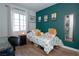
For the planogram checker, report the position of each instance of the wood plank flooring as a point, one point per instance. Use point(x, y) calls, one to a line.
point(31, 50)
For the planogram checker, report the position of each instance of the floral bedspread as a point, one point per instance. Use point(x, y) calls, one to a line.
point(44, 41)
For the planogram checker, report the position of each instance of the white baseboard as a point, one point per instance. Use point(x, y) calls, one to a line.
point(76, 50)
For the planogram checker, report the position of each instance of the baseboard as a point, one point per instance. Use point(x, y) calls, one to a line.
point(73, 49)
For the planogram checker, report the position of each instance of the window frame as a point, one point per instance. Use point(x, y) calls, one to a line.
point(24, 21)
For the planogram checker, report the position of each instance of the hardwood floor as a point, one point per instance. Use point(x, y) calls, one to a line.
point(31, 50)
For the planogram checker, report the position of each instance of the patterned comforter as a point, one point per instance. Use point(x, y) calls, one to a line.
point(44, 41)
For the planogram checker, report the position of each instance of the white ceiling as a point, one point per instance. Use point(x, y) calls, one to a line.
point(35, 6)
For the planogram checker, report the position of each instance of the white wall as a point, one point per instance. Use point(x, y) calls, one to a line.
point(3, 21)
point(31, 25)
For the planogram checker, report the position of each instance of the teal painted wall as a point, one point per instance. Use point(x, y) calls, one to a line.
point(61, 10)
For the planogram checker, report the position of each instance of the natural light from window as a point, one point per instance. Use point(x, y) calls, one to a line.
point(19, 22)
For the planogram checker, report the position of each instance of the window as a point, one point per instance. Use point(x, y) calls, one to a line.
point(19, 21)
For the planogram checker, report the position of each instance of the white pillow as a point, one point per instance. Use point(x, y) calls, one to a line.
point(50, 35)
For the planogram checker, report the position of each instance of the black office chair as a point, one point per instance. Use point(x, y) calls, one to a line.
point(14, 41)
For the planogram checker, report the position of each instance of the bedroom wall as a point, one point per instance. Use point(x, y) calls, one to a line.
point(3, 21)
point(31, 25)
point(61, 10)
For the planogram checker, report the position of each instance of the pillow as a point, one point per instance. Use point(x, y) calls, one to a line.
point(52, 31)
point(38, 33)
point(42, 33)
point(50, 35)
point(35, 30)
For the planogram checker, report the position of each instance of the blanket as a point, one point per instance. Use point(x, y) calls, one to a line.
point(44, 41)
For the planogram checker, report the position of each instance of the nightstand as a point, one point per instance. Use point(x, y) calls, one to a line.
point(23, 40)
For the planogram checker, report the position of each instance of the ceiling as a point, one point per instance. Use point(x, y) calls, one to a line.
point(35, 6)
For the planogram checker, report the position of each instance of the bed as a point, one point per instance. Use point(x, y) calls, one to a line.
point(44, 41)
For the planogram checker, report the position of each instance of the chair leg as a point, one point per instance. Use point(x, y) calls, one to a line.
point(14, 50)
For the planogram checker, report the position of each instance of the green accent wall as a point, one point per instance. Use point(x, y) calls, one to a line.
point(61, 9)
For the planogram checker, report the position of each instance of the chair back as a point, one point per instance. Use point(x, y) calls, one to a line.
point(14, 41)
